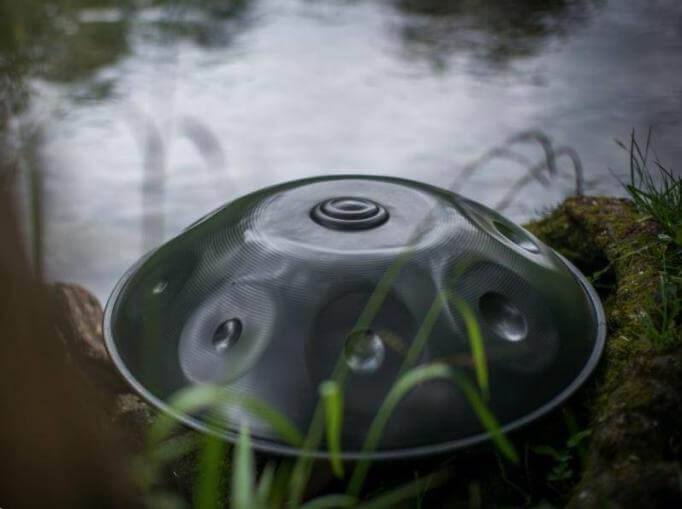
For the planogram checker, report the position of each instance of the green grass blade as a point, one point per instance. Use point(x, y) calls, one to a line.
point(210, 473)
point(301, 471)
point(174, 448)
point(281, 424)
point(485, 416)
point(378, 296)
point(331, 501)
point(265, 484)
point(333, 406)
point(185, 401)
point(193, 399)
point(400, 389)
point(303, 465)
point(409, 490)
point(280, 484)
point(243, 473)
point(476, 345)
point(658, 193)
point(423, 333)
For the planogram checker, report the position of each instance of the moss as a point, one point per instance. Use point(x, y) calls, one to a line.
point(636, 405)
point(610, 241)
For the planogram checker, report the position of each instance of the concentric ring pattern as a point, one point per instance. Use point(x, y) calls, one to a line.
point(274, 292)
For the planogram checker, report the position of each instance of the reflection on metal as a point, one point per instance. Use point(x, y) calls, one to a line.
point(268, 298)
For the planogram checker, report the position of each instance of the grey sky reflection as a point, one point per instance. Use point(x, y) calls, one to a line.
point(291, 89)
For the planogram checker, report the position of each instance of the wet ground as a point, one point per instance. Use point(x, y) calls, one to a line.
point(145, 116)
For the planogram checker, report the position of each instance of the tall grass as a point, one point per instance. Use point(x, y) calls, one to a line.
point(301, 471)
point(210, 473)
point(401, 388)
point(333, 406)
point(243, 485)
point(476, 344)
point(656, 192)
point(245, 493)
point(193, 399)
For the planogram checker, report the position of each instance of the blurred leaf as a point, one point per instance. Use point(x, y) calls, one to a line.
point(476, 344)
point(174, 448)
point(577, 438)
point(424, 332)
point(281, 424)
point(210, 473)
point(303, 466)
point(404, 385)
point(333, 405)
point(265, 485)
point(243, 473)
point(407, 491)
point(560, 472)
point(191, 400)
point(329, 501)
point(546, 450)
point(186, 401)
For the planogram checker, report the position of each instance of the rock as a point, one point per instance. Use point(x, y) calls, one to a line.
point(79, 325)
point(127, 414)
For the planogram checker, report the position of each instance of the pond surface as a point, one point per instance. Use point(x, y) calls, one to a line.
point(148, 115)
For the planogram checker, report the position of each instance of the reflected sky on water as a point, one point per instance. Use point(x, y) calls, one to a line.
point(166, 110)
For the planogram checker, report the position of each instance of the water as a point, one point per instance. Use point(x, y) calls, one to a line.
point(147, 116)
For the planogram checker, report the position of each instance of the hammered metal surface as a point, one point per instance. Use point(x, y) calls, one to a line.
point(263, 297)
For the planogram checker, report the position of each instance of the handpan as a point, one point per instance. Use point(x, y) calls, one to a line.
point(357, 278)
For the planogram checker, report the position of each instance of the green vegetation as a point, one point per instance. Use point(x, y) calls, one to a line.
point(165, 444)
point(661, 320)
point(333, 406)
point(407, 382)
point(243, 489)
point(656, 193)
point(563, 469)
point(476, 343)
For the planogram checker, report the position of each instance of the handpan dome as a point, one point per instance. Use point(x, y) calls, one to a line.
point(267, 295)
